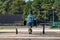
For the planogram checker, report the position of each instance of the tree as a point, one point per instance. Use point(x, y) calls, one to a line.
point(27, 9)
point(57, 7)
point(3, 5)
point(11, 6)
point(41, 9)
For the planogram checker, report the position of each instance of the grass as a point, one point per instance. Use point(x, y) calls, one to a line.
point(4, 28)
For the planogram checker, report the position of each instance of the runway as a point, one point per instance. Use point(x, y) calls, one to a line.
point(34, 30)
point(29, 38)
point(50, 34)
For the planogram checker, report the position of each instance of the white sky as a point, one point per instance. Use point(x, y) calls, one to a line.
point(26, 0)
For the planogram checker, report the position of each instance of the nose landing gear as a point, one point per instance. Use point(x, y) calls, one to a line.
point(30, 30)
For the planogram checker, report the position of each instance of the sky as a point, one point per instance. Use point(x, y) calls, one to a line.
point(31, 0)
point(27, 0)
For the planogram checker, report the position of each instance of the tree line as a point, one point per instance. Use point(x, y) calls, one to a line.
point(41, 9)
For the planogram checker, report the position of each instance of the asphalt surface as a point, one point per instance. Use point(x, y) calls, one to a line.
point(30, 38)
point(25, 39)
point(36, 34)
